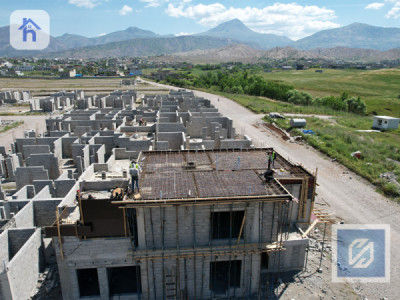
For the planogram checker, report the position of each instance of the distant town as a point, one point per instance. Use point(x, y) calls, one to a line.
point(131, 67)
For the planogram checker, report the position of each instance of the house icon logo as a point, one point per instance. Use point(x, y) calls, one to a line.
point(29, 30)
point(28, 27)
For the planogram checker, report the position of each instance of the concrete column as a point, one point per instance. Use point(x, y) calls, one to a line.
point(217, 140)
point(2, 167)
point(103, 283)
point(2, 194)
point(204, 133)
point(20, 160)
point(140, 228)
point(10, 168)
point(230, 134)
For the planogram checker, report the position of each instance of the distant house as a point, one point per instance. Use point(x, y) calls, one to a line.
point(68, 73)
point(24, 68)
point(384, 122)
point(135, 73)
point(287, 68)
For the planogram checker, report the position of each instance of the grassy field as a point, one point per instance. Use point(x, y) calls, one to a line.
point(264, 105)
point(380, 89)
point(338, 138)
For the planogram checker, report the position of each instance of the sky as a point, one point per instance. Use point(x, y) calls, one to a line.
point(295, 19)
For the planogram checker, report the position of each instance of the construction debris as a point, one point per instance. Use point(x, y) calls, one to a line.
point(356, 154)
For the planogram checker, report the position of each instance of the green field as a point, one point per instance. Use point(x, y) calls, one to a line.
point(338, 138)
point(379, 89)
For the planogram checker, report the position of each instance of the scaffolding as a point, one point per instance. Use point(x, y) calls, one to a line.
point(207, 183)
point(218, 178)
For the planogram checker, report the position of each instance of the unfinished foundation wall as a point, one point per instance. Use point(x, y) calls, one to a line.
point(193, 226)
point(194, 276)
point(99, 254)
point(292, 259)
point(27, 258)
point(25, 217)
point(201, 277)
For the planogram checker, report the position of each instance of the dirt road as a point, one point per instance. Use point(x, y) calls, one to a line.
point(344, 193)
point(36, 122)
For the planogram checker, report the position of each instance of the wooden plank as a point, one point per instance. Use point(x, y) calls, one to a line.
point(241, 228)
point(310, 228)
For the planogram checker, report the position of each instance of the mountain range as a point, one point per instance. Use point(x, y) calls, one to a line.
point(138, 42)
point(247, 54)
point(236, 30)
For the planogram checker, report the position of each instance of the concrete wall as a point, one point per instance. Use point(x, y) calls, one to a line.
point(25, 217)
point(34, 149)
point(292, 259)
point(48, 161)
point(171, 127)
point(62, 187)
point(26, 175)
point(194, 272)
point(66, 146)
point(69, 199)
point(48, 141)
point(24, 141)
point(45, 211)
point(44, 193)
point(107, 141)
point(150, 220)
point(4, 249)
point(135, 145)
point(41, 184)
point(22, 284)
point(174, 140)
point(27, 192)
point(83, 254)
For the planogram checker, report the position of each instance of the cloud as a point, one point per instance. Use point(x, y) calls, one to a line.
point(395, 11)
point(183, 33)
point(125, 10)
point(293, 20)
point(154, 3)
point(102, 34)
point(375, 5)
point(85, 3)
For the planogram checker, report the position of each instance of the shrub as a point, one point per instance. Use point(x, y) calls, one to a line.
point(299, 98)
point(356, 105)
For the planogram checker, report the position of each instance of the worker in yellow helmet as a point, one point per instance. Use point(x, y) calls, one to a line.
point(134, 171)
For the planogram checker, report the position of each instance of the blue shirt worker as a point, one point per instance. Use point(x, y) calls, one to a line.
point(135, 171)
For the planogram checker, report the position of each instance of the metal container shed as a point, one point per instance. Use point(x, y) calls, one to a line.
point(298, 122)
point(385, 122)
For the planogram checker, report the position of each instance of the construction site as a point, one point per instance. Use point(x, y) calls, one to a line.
point(215, 216)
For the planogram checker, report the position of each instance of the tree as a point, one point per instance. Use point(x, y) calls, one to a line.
point(333, 102)
point(237, 89)
point(356, 105)
point(299, 98)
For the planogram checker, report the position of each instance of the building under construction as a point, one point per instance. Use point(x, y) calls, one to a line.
point(209, 221)
point(206, 224)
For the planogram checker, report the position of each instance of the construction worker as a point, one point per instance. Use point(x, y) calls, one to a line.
point(135, 171)
point(273, 159)
point(270, 160)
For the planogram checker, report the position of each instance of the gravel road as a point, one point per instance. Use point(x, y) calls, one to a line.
point(344, 193)
point(36, 122)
